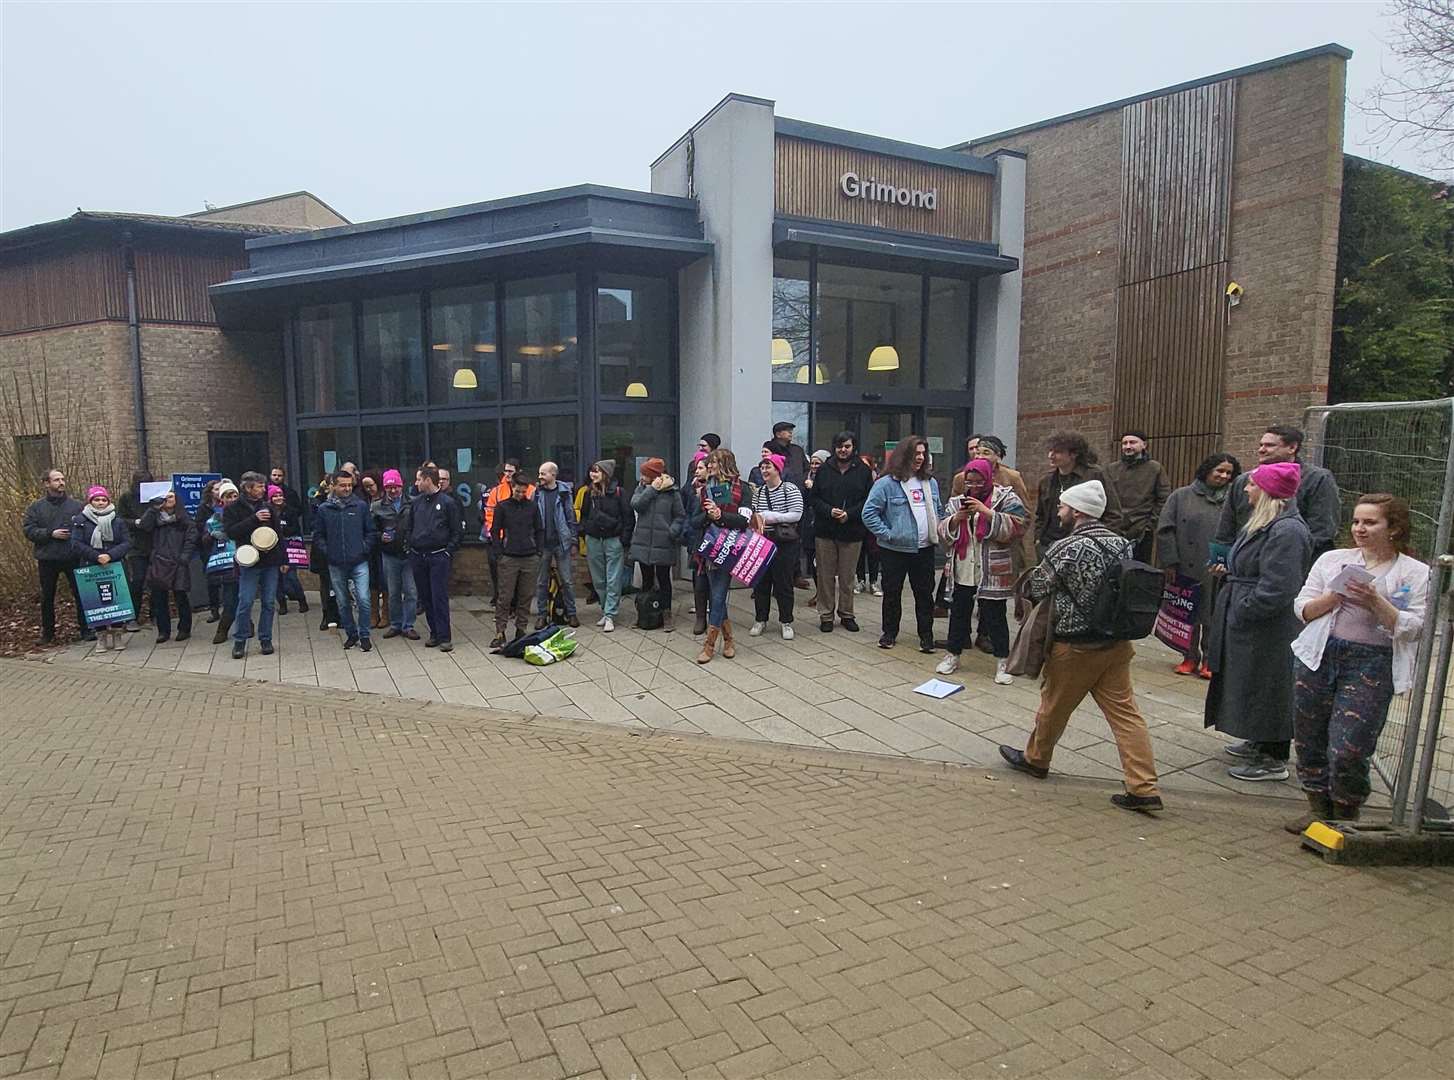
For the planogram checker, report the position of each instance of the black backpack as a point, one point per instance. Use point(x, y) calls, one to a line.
point(1128, 600)
point(649, 610)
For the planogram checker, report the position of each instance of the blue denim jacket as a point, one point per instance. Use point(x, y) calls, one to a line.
point(887, 515)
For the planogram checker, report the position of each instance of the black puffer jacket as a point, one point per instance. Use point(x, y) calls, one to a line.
point(608, 514)
point(45, 516)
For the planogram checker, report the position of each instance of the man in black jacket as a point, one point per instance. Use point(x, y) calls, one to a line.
point(519, 532)
point(47, 525)
point(432, 526)
point(239, 521)
point(839, 489)
point(291, 499)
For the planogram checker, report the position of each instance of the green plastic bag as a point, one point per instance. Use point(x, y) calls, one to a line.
point(559, 646)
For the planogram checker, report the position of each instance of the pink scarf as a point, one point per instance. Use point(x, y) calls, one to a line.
point(982, 521)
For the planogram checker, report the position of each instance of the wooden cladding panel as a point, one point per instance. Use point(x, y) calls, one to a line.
point(1176, 181)
point(1170, 333)
point(60, 288)
point(171, 285)
point(807, 177)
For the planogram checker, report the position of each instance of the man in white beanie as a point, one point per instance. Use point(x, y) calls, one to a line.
point(1080, 662)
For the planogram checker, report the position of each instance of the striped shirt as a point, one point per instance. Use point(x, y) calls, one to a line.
point(782, 505)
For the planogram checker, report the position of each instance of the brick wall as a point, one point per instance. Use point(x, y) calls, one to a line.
point(201, 379)
point(1287, 183)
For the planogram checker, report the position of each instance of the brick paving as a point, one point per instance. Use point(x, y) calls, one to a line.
point(206, 876)
point(828, 691)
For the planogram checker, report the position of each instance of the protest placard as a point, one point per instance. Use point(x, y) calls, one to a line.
point(1180, 604)
point(105, 596)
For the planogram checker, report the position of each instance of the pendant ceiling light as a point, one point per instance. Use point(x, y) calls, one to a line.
point(464, 379)
point(802, 376)
point(884, 358)
point(782, 352)
point(636, 390)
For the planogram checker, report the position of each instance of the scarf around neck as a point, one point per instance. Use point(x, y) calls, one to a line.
point(1215, 496)
point(103, 533)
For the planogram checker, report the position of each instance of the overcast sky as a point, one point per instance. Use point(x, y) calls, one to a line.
point(384, 109)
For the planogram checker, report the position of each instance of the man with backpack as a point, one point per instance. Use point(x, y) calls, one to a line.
point(1103, 600)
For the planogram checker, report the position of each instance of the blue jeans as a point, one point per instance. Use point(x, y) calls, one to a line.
point(403, 594)
point(355, 580)
point(605, 556)
point(252, 580)
point(562, 560)
point(719, 580)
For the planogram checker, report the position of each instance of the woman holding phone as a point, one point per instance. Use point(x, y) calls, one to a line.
point(980, 531)
point(1363, 614)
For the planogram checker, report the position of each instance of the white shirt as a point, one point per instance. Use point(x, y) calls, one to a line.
point(919, 504)
point(1407, 578)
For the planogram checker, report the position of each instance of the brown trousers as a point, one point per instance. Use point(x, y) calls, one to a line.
point(837, 567)
point(1072, 671)
point(515, 590)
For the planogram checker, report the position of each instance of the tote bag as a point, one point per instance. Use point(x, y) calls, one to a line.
point(1034, 637)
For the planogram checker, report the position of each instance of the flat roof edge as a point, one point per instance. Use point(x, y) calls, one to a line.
point(1330, 49)
point(266, 199)
point(577, 191)
point(875, 144)
point(745, 98)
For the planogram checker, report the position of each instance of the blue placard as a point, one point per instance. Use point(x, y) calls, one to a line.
point(188, 487)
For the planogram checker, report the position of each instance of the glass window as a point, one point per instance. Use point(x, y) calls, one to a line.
point(464, 364)
point(541, 353)
point(393, 446)
point(791, 320)
point(829, 420)
point(883, 429)
point(470, 449)
point(869, 322)
point(321, 450)
point(633, 337)
point(941, 428)
point(327, 377)
point(795, 413)
point(33, 458)
point(391, 357)
point(950, 303)
point(547, 438)
point(629, 439)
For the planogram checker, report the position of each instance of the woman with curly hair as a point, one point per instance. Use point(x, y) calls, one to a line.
point(726, 502)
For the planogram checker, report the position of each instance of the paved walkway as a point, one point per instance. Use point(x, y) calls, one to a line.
point(201, 876)
point(828, 691)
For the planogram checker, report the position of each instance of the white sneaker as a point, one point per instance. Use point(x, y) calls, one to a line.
point(949, 665)
point(602, 621)
point(692, 610)
point(858, 585)
point(607, 625)
point(103, 641)
point(877, 590)
point(788, 634)
point(757, 629)
point(1003, 677)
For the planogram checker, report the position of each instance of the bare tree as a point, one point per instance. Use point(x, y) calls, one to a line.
point(1415, 104)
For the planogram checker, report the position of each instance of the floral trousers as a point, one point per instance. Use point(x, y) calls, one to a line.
point(1339, 713)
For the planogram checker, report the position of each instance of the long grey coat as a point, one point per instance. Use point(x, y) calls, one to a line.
point(1249, 644)
point(1183, 541)
point(651, 540)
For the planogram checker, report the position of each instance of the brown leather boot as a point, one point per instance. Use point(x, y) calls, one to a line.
point(728, 649)
point(709, 646)
point(1321, 809)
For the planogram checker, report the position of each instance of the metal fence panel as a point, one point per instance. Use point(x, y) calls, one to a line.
point(1406, 449)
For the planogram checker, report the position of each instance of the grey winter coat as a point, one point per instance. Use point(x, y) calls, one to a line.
point(1183, 541)
point(1249, 643)
point(652, 540)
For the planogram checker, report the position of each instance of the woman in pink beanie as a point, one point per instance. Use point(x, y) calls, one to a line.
point(1249, 641)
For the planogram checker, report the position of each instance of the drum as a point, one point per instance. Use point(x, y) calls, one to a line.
point(247, 555)
point(264, 538)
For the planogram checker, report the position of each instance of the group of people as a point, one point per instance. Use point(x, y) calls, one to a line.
point(1303, 644)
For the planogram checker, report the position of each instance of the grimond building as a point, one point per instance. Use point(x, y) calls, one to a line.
point(1164, 262)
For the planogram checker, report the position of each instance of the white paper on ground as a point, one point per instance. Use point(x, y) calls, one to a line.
point(938, 688)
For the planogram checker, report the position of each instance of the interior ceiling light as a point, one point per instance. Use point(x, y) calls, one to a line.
point(464, 379)
point(484, 346)
point(637, 390)
point(531, 350)
point(441, 346)
point(884, 358)
point(782, 352)
point(802, 376)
